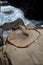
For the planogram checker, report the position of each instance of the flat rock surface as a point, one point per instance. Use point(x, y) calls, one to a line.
point(23, 38)
point(32, 55)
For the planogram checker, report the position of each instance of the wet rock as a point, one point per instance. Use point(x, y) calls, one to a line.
point(12, 25)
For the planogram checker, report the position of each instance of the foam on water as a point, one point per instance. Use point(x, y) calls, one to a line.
point(17, 13)
point(6, 18)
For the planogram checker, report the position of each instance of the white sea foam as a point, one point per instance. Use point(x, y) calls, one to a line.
point(17, 13)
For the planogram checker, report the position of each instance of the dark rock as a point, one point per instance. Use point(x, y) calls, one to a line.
point(12, 25)
point(1, 37)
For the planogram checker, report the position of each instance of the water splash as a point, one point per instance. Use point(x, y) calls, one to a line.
point(17, 13)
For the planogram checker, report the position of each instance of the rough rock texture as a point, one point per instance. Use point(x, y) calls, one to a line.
point(12, 25)
point(32, 55)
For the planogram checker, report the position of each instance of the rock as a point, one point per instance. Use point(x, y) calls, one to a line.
point(12, 25)
point(1, 37)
